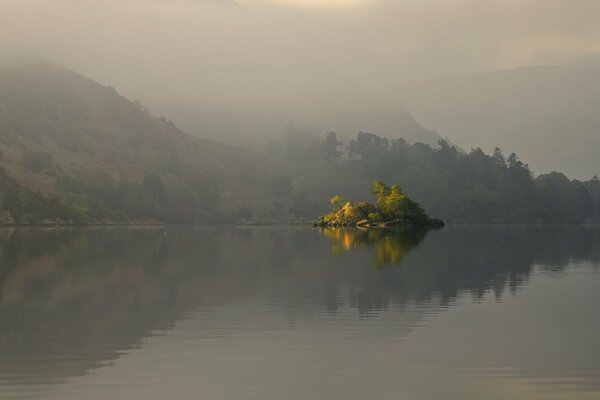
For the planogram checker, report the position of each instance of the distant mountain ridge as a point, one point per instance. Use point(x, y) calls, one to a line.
point(547, 114)
point(334, 103)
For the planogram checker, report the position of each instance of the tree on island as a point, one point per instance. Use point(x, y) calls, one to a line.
point(337, 202)
point(393, 208)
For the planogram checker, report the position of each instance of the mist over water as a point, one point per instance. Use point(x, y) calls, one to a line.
point(294, 312)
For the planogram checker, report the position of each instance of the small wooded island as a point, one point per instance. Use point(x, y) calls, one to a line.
point(393, 208)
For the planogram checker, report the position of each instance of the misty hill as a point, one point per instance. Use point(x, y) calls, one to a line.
point(73, 150)
point(61, 133)
point(548, 114)
point(323, 103)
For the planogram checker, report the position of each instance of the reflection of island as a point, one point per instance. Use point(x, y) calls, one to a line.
point(391, 245)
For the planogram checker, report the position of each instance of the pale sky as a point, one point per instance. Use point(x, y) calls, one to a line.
point(416, 39)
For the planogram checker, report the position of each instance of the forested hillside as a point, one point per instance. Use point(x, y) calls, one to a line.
point(448, 183)
point(548, 114)
point(73, 150)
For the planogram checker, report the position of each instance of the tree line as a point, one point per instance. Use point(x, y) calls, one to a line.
point(96, 197)
point(459, 186)
point(451, 184)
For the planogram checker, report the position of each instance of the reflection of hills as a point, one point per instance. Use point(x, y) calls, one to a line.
point(71, 300)
point(83, 296)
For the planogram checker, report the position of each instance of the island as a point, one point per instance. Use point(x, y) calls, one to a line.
point(393, 208)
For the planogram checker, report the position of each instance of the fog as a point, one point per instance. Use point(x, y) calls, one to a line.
point(252, 65)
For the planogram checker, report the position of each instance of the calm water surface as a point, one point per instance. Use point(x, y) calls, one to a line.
point(298, 313)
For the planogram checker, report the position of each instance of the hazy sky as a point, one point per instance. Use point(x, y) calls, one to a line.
point(376, 41)
point(246, 53)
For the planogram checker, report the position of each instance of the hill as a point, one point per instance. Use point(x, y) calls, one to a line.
point(75, 151)
point(548, 114)
point(331, 103)
point(101, 157)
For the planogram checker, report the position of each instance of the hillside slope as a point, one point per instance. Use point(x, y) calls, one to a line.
point(547, 114)
point(331, 103)
point(63, 133)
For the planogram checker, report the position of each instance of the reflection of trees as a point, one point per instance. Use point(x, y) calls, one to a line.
point(391, 244)
point(83, 296)
point(471, 260)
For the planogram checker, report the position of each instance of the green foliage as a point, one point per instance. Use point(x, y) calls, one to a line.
point(187, 199)
point(367, 145)
point(392, 204)
point(473, 186)
point(20, 205)
point(337, 202)
point(37, 161)
point(382, 191)
point(374, 216)
point(305, 145)
point(142, 168)
point(367, 208)
point(191, 200)
point(154, 185)
point(330, 151)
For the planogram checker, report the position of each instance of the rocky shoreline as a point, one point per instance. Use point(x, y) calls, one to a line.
point(431, 223)
point(366, 215)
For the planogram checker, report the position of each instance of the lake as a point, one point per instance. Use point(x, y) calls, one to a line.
point(465, 312)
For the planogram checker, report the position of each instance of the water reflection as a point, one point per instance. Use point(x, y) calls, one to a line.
point(391, 245)
point(72, 301)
